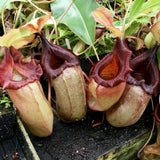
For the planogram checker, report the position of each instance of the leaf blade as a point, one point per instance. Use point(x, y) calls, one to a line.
point(78, 18)
point(24, 34)
point(135, 9)
point(150, 6)
point(105, 17)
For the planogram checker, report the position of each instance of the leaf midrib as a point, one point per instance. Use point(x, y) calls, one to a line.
point(84, 23)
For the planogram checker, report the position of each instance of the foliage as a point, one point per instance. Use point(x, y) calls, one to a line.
point(23, 35)
point(73, 21)
point(4, 99)
point(105, 17)
point(77, 17)
point(6, 4)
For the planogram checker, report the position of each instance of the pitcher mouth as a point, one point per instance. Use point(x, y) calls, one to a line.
point(14, 62)
point(55, 58)
point(114, 67)
point(145, 71)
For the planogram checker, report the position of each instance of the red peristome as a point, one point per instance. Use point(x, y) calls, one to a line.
point(62, 67)
point(27, 70)
point(108, 78)
point(141, 84)
point(55, 58)
point(119, 60)
point(145, 71)
point(158, 14)
point(13, 60)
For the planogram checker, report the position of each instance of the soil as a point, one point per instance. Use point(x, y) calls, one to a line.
point(80, 141)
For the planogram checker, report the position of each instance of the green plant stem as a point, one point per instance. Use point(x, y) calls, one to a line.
point(151, 133)
point(56, 24)
point(124, 21)
point(34, 14)
point(96, 53)
point(3, 25)
point(18, 13)
point(41, 10)
point(44, 2)
point(65, 12)
point(94, 43)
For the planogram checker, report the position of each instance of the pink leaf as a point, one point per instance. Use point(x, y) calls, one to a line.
point(24, 34)
point(158, 14)
point(105, 17)
point(155, 29)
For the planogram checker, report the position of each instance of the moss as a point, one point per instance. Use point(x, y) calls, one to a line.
point(127, 151)
point(5, 101)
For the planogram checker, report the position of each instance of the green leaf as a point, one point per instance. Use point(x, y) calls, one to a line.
point(135, 9)
point(150, 6)
point(154, 13)
point(143, 19)
point(4, 4)
point(78, 18)
point(132, 29)
point(120, 1)
point(118, 23)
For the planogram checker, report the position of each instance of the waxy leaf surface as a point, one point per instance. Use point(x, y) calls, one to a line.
point(135, 9)
point(149, 6)
point(105, 17)
point(78, 18)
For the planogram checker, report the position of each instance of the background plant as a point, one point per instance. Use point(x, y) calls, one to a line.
point(131, 17)
point(5, 101)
